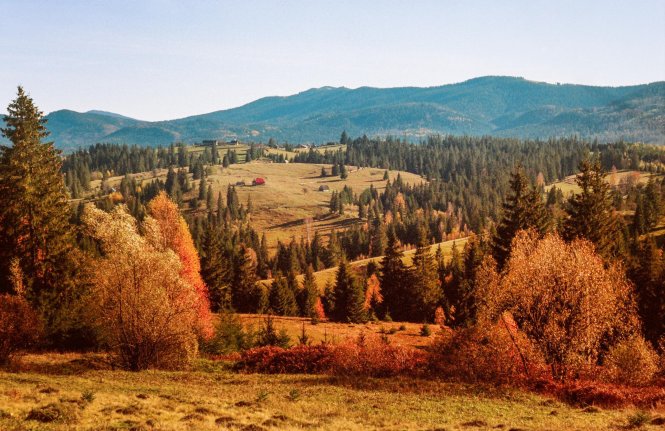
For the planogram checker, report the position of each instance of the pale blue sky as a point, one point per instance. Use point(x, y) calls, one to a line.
point(164, 59)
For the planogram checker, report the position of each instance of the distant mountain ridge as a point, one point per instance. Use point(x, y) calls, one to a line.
point(491, 105)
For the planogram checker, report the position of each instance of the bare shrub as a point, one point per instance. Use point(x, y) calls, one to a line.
point(632, 361)
point(141, 306)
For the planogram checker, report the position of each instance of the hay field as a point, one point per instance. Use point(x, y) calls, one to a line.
point(90, 396)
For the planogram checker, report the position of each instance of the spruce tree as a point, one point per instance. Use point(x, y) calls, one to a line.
point(426, 292)
point(451, 279)
point(215, 270)
point(34, 217)
point(349, 296)
point(523, 209)
point(648, 275)
point(394, 279)
point(590, 212)
point(308, 294)
point(246, 295)
point(281, 299)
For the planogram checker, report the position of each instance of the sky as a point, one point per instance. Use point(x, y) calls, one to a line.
point(166, 59)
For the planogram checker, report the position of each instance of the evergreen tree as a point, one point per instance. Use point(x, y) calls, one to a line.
point(343, 173)
point(246, 295)
point(34, 218)
point(394, 279)
point(590, 212)
point(639, 225)
point(523, 209)
point(425, 288)
point(282, 301)
point(232, 202)
point(349, 296)
point(215, 270)
point(309, 294)
point(214, 153)
point(378, 238)
point(648, 275)
point(202, 188)
point(451, 280)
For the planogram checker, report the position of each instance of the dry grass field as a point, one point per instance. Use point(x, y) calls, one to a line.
point(401, 333)
point(291, 195)
point(290, 204)
point(329, 274)
point(73, 392)
point(568, 185)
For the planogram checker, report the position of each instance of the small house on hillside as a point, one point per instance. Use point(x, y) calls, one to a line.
point(324, 188)
point(258, 182)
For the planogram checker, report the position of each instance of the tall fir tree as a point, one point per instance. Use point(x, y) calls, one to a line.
point(215, 270)
point(590, 212)
point(349, 296)
point(523, 209)
point(281, 299)
point(35, 218)
point(648, 275)
point(394, 280)
point(309, 294)
point(247, 296)
point(426, 292)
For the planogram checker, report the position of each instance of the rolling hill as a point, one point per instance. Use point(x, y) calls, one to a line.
point(501, 106)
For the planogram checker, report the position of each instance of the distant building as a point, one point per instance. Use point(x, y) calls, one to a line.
point(324, 188)
point(258, 182)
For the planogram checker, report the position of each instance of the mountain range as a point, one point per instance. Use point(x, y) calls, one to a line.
point(492, 105)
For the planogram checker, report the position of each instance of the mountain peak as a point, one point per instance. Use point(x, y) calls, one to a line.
point(487, 105)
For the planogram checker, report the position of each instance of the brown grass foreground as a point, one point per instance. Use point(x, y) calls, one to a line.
point(83, 395)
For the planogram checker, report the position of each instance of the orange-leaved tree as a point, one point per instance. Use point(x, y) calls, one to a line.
point(143, 309)
point(564, 297)
point(175, 235)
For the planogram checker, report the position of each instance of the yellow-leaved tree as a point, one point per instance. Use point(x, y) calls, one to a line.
point(564, 298)
point(143, 308)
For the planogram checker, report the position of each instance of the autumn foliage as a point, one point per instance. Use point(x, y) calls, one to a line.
point(175, 236)
point(563, 297)
point(366, 356)
point(20, 327)
point(143, 308)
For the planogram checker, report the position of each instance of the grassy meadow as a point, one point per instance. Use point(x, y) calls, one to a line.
point(290, 203)
point(80, 393)
point(568, 186)
point(328, 275)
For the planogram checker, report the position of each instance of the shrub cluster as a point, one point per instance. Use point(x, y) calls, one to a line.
point(20, 327)
point(371, 358)
point(490, 353)
point(632, 361)
point(296, 360)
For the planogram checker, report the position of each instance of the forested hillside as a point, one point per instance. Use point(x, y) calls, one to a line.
point(499, 106)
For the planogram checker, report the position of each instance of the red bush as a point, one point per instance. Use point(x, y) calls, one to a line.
point(608, 395)
point(496, 353)
point(375, 358)
point(296, 360)
point(20, 326)
point(371, 359)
